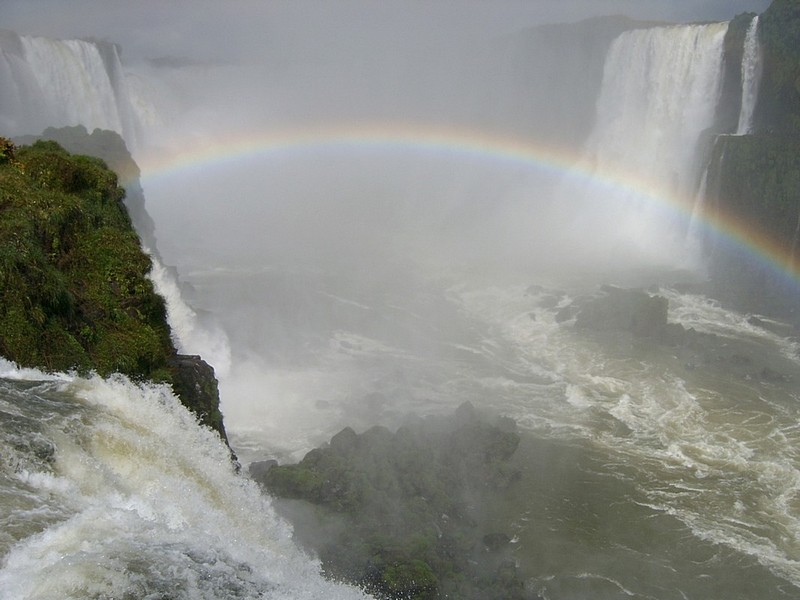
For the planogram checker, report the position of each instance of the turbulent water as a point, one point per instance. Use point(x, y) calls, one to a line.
point(649, 471)
point(111, 490)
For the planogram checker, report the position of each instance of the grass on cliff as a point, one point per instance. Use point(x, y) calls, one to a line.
point(73, 287)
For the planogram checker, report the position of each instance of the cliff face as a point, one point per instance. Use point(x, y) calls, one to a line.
point(756, 178)
point(551, 77)
point(110, 147)
point(74, 292)
point(778, 110)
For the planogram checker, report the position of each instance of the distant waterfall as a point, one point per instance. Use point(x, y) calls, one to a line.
point(751, 77)
point(46, 82)
point(659, 93)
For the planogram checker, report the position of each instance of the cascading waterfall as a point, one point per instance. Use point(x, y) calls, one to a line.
point(190, 334)
point(659, 92)
point(45, 82)
point(111, 490)
point(694, 234)
point(751, 77)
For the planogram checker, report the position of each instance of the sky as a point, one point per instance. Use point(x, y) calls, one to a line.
point(206, 30)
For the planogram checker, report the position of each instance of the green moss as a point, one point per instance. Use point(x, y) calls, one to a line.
point(74, 289)
point(414, 580)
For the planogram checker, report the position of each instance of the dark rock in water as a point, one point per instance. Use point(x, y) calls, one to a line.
point(496, 541)
point(258, 469)
point(567, 313)
point(630, 310)
point(194, 382)
point(399, 513)
point(675, 334)
point(345, 441)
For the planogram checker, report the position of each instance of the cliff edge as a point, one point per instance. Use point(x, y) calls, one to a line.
point(74, 291)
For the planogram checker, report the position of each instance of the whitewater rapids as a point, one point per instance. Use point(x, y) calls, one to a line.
point(111, 490)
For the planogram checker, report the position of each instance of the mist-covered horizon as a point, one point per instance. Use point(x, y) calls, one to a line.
point(207, 30)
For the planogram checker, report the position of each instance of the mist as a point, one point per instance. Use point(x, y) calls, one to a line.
point(311, 254)
point(370, 214)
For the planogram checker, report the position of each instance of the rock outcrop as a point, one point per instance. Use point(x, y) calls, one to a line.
point(400, 513)
point(631, 311)
point(74, 291)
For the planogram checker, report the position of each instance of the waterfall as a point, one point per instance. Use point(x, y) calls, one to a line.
point(45, 82)
point(659, 93)
point(110, 489)
point(191, 334)
point(751, 77)
point(694, 233)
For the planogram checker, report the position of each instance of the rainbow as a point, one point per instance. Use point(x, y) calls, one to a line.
point(468, 145)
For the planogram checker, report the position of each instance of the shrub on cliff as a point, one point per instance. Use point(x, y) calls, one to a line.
point(73, 285)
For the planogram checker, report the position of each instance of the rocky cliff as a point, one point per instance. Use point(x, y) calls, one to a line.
point(74, 291)
point(755, 179)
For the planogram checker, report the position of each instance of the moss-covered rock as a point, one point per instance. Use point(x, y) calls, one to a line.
point(74, 291)
point(110, 147)
point(400, 513)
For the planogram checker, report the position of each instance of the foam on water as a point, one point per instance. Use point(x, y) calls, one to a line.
point(719, 452)
point(190, 334)
point(148, 504)
point(709, 316)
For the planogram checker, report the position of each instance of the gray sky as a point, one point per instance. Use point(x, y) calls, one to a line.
point(233, 30)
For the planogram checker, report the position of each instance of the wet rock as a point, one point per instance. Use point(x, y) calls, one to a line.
point(258, 470)
point(194, 382)
point(345, 441)
point(496, 541)
point(402, 511)
point(630, 310)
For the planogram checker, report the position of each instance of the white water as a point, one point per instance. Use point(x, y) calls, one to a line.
point(134, 501)
point(190, 334)
point(751, 77)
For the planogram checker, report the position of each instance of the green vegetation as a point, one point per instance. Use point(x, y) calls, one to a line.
point(401, 514)
point(73, 287)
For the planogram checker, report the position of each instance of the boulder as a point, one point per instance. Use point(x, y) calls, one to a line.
point(631, 310)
